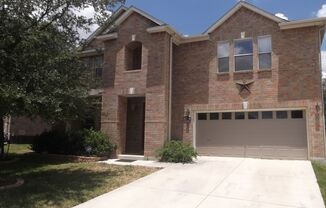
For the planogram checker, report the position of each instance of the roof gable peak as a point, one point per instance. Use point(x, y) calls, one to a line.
point(133, 9)
point(238, 6)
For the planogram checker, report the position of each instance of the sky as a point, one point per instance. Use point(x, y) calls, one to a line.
point(191, 17)
point(195, 16)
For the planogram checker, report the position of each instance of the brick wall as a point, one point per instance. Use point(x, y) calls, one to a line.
point(293, 81)
point(150, 82)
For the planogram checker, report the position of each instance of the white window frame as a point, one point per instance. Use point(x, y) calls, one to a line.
point(246, 54)
point(261, 53)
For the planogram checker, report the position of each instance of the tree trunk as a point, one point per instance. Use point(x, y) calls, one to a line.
point(2, 138)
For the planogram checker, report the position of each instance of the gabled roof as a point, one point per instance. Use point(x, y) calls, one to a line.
point(238, 6)
point(119, 17)
point(99, 30)
point(133, 9)
point(106, 32)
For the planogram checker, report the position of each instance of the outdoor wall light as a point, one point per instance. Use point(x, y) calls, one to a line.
point(243, 35)
point(187, 117)
point(245, 105)
point(317, 107)
point(131, 91)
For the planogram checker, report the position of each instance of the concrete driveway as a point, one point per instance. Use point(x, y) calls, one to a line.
point(220, 182)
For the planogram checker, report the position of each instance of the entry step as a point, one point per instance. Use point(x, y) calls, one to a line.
point(131, 157)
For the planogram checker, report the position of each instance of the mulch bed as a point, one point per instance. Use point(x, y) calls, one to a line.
point(73, 158)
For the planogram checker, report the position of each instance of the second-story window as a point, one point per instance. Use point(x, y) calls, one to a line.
point(98, 66)
point(265, 52)
point(133, 56)
point(95, 64)
point(243, 55)
point(223, 51)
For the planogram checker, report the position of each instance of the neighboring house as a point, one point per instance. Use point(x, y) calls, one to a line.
point(249, 86)
point(23, 129)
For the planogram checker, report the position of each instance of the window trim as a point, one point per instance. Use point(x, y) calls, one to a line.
point(242, 55)
point(267, 118)
point(248, 117)
point(242, 113)
point(261, 53)
point(277, 117)
point(218, 58)
point(93, 66)
point(302, 111)
point(218, 116)
point(228, 112)
point(200, 119)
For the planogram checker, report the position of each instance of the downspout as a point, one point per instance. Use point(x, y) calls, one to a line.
point(322, 90)
point(170, 88)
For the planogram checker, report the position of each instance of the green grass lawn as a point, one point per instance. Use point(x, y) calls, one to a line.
point(59, 182)
point(320, 171)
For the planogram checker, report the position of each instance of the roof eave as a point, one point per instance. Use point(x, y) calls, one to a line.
point(91, 52)
point(177, 37)
point(105, 37)
point(235, 9)
point(99, 30)
point(321, 22)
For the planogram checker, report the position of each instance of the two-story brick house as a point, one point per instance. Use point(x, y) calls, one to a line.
point(249, 86)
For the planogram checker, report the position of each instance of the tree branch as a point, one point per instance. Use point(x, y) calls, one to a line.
point(45, 12)
point(57, 16)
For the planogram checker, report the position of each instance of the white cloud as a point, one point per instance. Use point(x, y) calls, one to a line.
point(87, 12)
point(322, 11)
point(323, 63)
point(281, 15)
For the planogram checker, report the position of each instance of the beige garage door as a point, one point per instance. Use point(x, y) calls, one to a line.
point(259, 134)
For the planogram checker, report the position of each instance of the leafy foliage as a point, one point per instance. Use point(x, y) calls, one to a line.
point(97, 142)
point(177, 152)
point(85, 142)
point(40, 71)
point(320, 171)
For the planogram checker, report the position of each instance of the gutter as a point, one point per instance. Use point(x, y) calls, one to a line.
point(321, 81)
point(170, 89)
point(90, 52)
point(303, 23)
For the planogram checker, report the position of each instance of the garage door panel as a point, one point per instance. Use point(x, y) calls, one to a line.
point(291, 153)
point(254, 152)
point(265, 138)
point(236, 151)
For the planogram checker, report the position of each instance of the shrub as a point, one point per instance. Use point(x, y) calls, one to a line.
point(176, 151)
point(97, 143)
point(84, 142)
point(52, 142)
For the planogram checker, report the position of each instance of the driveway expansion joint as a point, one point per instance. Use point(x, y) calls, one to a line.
point(215, 187)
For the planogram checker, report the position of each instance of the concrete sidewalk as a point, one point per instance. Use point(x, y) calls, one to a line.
point(220, 182)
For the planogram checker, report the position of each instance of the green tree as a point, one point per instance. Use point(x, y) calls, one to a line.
point(40, 73)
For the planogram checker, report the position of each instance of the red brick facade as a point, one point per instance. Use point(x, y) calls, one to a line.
point(150, 82)
point(294, 80)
